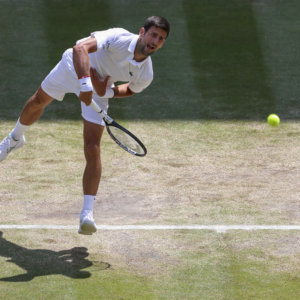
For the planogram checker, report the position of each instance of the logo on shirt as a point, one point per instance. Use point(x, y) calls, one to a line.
point(131, 74)
point(105, 46)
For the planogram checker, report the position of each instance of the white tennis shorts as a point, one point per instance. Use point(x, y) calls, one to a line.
point(63, 79)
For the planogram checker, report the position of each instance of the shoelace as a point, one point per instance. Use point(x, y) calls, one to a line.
point(89, 214)
point(5, 144)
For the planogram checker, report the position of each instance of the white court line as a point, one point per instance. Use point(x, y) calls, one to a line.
point(218, 228)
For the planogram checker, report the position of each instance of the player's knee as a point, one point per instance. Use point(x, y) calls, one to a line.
point(38, 100)
point(92, 151)
point(41, 99)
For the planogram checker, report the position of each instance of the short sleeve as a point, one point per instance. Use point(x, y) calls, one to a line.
point(79, 41)
point(104, 38)
point(139, 86)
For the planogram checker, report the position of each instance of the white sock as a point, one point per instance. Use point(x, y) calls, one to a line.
point(88, 203)
point(18, 131)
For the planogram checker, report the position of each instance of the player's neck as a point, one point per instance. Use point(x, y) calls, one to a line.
point(138, 56)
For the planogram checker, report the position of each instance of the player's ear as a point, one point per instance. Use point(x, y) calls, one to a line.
point(142, 31)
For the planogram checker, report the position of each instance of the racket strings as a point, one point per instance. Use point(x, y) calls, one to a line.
point(127, 140)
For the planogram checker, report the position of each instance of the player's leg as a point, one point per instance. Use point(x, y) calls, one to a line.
point(92, 134)
point(58, 82)
point(34, 107)
point(31, 112)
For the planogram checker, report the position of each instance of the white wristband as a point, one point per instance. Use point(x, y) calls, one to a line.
point(109, 93)
point(85, 84)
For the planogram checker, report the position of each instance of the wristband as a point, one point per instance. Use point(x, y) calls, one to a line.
point(109, 93)
point(85, 83)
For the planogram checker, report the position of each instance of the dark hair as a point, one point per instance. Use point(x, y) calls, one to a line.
point(157, 22)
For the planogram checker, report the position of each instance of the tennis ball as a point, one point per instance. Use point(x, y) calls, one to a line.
point(273, 120)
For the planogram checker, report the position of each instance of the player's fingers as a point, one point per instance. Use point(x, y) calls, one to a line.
point(106, 80)
point(88, 102)
point(86, 97)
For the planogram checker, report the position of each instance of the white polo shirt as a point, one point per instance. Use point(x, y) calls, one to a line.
point(114, 58)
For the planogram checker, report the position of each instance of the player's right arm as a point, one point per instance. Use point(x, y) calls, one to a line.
point(81, 64)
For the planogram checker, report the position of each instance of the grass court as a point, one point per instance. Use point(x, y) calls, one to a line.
point(212, 158)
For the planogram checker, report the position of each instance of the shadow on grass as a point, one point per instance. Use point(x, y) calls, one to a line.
point(42, 262)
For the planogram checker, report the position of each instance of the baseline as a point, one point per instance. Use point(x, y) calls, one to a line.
point(217, 228)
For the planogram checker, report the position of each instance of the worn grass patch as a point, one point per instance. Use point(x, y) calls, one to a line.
point(178, 182)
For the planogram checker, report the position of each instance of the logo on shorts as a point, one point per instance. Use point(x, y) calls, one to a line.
point(131, 74)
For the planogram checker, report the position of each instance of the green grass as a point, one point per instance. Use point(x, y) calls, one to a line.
point(196, 265)
point(212, 158)
point(238, 178)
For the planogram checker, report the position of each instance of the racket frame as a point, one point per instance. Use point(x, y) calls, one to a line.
point(110, 122)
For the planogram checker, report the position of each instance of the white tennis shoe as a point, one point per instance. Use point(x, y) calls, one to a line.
point(9, 144)
point(87, 224)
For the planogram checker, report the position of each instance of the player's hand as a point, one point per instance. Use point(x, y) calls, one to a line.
point(99, 86)
point(86, 97)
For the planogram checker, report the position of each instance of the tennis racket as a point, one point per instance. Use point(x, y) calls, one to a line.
point(124, 138)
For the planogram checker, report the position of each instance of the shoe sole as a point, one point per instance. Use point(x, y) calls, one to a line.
point(85, 232)
point(88, 227)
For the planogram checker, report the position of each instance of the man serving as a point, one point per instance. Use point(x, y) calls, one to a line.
point(89, 70)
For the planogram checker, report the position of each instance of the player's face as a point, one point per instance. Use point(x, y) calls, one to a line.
point(152, 40)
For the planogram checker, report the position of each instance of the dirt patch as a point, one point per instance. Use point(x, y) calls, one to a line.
point(137, 254)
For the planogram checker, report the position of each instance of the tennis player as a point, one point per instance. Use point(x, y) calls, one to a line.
point(89, 70)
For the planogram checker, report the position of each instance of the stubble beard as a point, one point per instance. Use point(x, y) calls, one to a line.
point(143, 49)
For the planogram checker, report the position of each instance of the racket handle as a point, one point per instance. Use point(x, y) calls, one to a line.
point(103, 115)
point(95, 106)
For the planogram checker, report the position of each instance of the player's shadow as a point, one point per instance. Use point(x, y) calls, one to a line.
point(43, 262)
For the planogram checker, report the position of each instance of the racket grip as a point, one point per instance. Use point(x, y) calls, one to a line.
point(103, 115)
point(95, 106)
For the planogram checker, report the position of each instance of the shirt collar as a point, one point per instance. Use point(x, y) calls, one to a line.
point(131, 49)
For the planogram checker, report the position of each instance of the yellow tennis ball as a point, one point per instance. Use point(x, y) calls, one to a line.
point(273, 120)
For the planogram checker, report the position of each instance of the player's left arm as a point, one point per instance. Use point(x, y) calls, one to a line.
point(123, 90)
point(120, 91)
